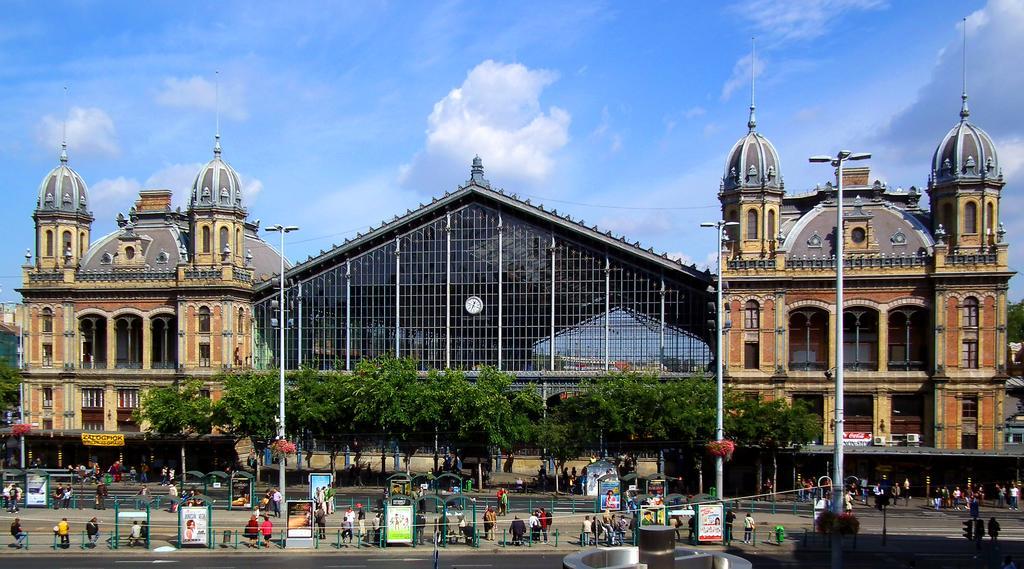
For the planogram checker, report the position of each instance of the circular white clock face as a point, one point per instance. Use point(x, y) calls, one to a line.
point(474, 305)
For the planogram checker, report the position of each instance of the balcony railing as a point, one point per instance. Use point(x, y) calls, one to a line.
point(128, 365)
point(872, 262)
point(164, 365)
point(906, 366)
point(94, 365)
point(972, 259)
point(861, 366)
point(808, 366)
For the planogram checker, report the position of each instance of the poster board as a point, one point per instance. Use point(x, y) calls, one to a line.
point(595, 470)
point(37, 489)
point(319, 480)
point(300, 519)
point(194, 526)
point(652, 515)
point(399, 514)
point(656, 487)
point(609, 493)
point(710, 523)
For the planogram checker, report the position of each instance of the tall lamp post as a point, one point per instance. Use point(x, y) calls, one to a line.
point(282, 229)
point(719, 410)
point(838, 479)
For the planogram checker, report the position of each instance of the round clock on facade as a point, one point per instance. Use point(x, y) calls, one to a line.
point(474, 305)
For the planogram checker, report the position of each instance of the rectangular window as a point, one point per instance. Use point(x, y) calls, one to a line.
point(92, 425)
point(969, 422)
point(47, 424)
point(127, 398)
point(751, 355)
point(969, 354)
point(92, 398)
point(205, 393)
point(47, 397)
point(204, 355)
point(47, 355)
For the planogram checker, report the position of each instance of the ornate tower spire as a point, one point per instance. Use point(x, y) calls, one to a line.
point(216, 136)
point(64, 131)
point(752, 121)
point(964, 111)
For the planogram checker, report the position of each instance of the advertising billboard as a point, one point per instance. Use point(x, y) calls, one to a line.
point(37, 486)
point(319, 480)
point(300, 519)
point(194, 526)
point(609, 488)
point(710, 523)
point(399, 520)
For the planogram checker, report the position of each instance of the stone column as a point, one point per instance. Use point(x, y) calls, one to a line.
point(109, 408)
point(883, 340)
point(147, 343)
point(111, 343)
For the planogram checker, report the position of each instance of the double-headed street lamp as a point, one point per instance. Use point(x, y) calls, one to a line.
point(838, 482)
point(719, 428)
point(282, 229)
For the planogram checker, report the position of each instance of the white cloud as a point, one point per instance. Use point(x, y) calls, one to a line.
point(741, 75)
point(604, 132)
point(198, 93)
point(695, 112)
point(798, 19)
point(111, 195)
point(495, 113)
point(90, 132)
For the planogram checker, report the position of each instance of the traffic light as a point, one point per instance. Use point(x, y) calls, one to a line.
point(979, 529)
point(969, 529)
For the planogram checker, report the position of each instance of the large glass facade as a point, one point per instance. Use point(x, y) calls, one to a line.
point(484, 285)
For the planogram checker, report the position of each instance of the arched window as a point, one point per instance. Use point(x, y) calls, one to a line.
point(969, 309)
point(970, 217)
point(47, 320)
point(907, 339)
point(238, 241)
point(225, 239)
point(990, 217)
point(129, 253)
point(751, 224)
point(947, 218)
point(49, 243)
point(81, 244)
point(860, 339)
point(206, 239)
point(66, 247)
point(751, 315)
point(808, 339)
point(771, 225)
point(240, 324)
point(204, 320)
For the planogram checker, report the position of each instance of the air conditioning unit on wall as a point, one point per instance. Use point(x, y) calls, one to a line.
point(913, 439)
point(879, 441)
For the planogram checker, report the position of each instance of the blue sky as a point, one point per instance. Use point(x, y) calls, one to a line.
point(340, 115)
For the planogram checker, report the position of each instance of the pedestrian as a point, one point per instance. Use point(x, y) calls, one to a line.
point(691, 530)
point(252, 531)
point(906, 491)
point(346, 528)
point(545, 523)
point(101, 496)
point(268, 530)
point(1014, 496)
point(748, 528)
point(135, 534)
point(490, 519)
point(730, 517)
point(586, 531)
point(994, 529)
point(64, 533)
point(172, 496)
point(92, 530)
point(360, 523)
point(518, 529)
point(7, 497)
point(975, 506)
point(277, 503)
point(66, 497)
point(534, 523)
point(16, 493)
point(321, 523)
point(163, 476)
point(18, 534)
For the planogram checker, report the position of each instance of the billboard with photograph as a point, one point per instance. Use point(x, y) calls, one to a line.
point(300, 519)
point(319, 480)
point(37, 487)
point(194, 526)
point(609, 488)
point(710, 523)
point(399, 514)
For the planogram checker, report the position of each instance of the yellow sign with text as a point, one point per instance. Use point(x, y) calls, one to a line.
point(102, 439)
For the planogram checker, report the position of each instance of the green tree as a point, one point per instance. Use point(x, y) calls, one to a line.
point(180, 410)
point(249, 407)
point(317, 404)
point(10, 383)
point(489, 414)
point(769, 426)
point(1015, 321)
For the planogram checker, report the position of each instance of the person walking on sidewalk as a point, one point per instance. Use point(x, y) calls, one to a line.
point(18, 534)
point(92, 530)
point(748, 528)
point(277, 503)
point(101, 496)
point(586, 531)
point(268, 530)
point(64, 533)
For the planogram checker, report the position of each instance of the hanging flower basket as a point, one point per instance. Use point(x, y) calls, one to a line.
point(21, 429)
point(282, 447)
point(723, 448)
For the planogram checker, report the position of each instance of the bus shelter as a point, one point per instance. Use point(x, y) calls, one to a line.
point(460, 520)
point(448, 483)
point(218, 486)
point(193, 480)
point(241, 490)
point(399, 517)
point(125, 519)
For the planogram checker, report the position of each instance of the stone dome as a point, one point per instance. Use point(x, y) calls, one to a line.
point(63, 189)
point(965, 153)
point(216, 184)
point(753, 163)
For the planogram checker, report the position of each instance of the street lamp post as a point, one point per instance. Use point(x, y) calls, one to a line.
point(838, 482)
point(719, 409)
point(282, 229)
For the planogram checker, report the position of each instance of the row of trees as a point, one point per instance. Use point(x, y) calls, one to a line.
point(387, 399)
